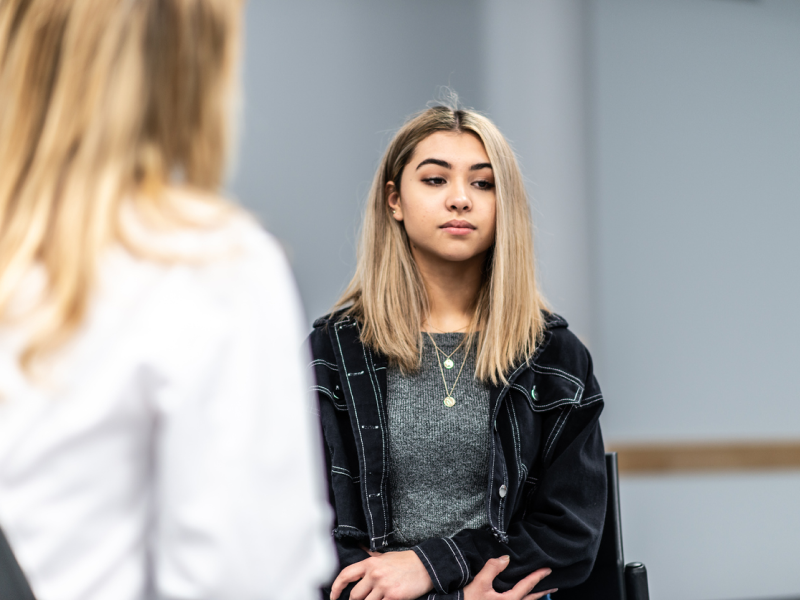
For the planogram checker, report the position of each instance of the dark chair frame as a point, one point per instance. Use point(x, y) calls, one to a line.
point(611, 578)
point(13, 585)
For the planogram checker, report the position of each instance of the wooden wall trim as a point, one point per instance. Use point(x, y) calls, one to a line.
point(668, 458)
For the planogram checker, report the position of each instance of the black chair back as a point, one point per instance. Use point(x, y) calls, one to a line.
point(13, 585)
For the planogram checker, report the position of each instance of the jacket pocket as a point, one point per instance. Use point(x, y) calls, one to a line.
point(553, 388)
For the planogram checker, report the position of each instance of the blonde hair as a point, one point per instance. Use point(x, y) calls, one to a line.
point(105, 103)
point(387, 294)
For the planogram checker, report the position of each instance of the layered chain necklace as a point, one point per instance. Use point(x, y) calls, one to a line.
point(449, 401)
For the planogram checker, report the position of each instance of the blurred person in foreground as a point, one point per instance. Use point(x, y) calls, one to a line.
point(155, 433)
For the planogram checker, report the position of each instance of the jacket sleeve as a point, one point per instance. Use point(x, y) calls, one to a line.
point(559, 527)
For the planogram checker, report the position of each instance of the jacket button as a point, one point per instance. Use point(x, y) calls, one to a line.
point(503, 491)
point(533, 392)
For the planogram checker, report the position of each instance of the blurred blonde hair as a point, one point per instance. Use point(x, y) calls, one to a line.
point(387, 293)
point(104, 103)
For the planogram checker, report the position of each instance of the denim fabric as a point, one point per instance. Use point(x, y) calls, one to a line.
point(546, 491)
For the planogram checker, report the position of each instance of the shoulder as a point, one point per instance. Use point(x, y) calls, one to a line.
point(320, 337)
point(213, 262)
point(561, 371)
point(561, 349)
point(197, 232)
point(190, 226)
point(337, 316)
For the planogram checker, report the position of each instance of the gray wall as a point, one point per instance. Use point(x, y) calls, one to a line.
point(660, 140)
point(696, 154)
point(536, 91)
point(695, 110)
point(326, 85)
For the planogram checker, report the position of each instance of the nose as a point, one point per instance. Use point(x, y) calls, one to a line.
point(459, 198)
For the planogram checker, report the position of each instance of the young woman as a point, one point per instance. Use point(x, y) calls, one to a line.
point(145, 382)
point(460, 415)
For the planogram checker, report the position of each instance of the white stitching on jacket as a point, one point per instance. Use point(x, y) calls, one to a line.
point(325, 363)
point(378, 402)
point(431, 566)
point(557, 432)
point(458, 562)
point(355, 412)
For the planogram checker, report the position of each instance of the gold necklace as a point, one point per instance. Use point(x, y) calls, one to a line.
point(448, 362)
point(449, 401)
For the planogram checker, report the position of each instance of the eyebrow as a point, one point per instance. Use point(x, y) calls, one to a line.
point(447, 165)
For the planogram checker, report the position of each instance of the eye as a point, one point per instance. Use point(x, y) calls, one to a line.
point(482, 184)
point(434, 180)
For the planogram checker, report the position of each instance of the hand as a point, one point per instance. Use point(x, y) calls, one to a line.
point(481, 588)
point(388, 576)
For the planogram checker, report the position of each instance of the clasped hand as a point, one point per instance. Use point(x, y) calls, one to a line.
point(387, 576)
point(402, 576)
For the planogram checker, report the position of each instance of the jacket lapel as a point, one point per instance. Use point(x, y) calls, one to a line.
point(364, 386)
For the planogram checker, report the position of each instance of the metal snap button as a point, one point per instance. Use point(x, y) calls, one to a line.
point(503, 491)
point(533, 392)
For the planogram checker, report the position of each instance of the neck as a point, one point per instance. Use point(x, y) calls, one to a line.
point(452, 289)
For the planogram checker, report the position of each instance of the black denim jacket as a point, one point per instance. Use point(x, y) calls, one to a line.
point(546, 492)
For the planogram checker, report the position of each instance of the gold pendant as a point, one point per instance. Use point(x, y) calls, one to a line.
point(449, 402)
point(449, 364)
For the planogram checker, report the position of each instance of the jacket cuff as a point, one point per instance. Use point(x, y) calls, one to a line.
point(457, 595)
point(445, 563)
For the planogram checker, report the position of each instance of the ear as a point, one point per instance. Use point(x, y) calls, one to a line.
point(393, 200)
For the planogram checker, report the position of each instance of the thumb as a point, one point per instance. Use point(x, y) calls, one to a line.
point(493, 567)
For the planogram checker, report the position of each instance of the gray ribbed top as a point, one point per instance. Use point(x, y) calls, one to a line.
point(439, 455)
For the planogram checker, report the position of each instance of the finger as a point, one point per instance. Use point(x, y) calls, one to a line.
point(348, 575)
point(539, 595)
point(362, 590)
point(492, 568)
point(524, 586)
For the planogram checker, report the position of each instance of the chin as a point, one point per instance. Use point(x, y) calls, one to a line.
point(459, 257)
point(457, 254)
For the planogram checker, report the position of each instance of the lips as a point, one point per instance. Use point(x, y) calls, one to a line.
point(456, 224)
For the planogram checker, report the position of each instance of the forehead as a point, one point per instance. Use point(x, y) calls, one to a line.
point(453, 147)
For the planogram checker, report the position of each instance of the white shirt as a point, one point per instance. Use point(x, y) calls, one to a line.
point(172, 450)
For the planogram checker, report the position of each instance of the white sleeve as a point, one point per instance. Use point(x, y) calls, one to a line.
point(240, 508)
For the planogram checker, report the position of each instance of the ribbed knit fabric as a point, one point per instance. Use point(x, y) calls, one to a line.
point(439, 455)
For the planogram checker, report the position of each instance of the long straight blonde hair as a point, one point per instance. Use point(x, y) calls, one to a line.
point(387, 294)
point(103, 102)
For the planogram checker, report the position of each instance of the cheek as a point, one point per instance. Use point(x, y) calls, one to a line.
point(490, 238)
point(414, 226)
point(419, 217)
point(491, 220)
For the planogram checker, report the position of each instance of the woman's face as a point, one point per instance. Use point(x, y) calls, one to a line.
point(447, 199)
